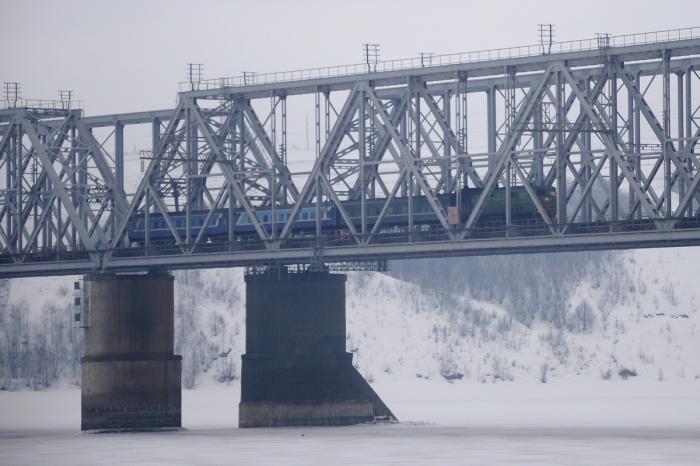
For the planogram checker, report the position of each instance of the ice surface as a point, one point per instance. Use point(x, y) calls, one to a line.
point(567, 422)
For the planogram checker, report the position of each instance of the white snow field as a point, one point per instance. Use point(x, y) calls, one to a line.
point(573, 421)
point(644, 319)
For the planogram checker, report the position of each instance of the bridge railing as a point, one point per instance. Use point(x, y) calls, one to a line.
point(40, 104)
point(602, 41)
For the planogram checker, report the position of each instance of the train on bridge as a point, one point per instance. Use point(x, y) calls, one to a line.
point(216, 229)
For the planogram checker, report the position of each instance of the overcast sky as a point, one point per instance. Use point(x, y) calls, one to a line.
point(129, 55)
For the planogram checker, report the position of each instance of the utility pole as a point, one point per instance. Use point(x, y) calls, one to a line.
point(371, 56)
point(546, 37)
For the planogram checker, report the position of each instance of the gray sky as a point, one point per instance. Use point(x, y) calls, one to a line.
point(129, 55)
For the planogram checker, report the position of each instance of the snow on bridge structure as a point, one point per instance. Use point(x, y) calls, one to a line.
point(587, 144)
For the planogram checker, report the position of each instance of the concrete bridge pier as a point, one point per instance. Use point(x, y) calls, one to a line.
point(130, 378)
point(296, 371)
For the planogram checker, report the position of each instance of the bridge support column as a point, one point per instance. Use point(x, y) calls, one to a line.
point(130, 378)
point(296, 371)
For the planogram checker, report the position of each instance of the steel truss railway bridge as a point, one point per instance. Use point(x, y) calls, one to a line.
point(611, 123)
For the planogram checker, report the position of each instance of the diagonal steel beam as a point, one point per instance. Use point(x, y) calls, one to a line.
point(577, 126)
point(409, 160)
point(502, 156)
point(277, 162)
point(603, 134)
point(59, 188)
point(655, 125)
point(586, 191)
point(226, 169)
point(165, 141)
point(533, 196)
point(451, 138)
point(327, 153)
point(384, 144)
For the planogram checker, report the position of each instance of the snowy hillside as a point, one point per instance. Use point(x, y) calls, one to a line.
point(530, 318)
point(635, 314)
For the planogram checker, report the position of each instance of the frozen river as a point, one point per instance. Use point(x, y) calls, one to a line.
point(442, 424)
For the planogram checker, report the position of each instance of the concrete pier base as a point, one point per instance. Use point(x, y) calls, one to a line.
point(130, 378)
point(296, 371)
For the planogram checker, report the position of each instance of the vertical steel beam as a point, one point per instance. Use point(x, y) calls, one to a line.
point(273, 121)
point(689, 126)
point(561, 151)
point(491, 128)
point(612, 164)
point(409, 175)
point(322, 172)
point(446, 146)
point(586, 171)
point(417, 126)
point(283, 145)
point(155, 141)
point(637, 162)
point(631, 149)
point(73, 166)
point(155, 135)
point(241, 132)
point(586, 157)
point(462, 131)
point(19, 180)
point(119, 154)
point(327, 113)
point(190, 128)
point(538, 144)
point(667, 143)
point(681, 133)
point(10, 174)
point(404, 132)
point(371, 152)
point(362, 122)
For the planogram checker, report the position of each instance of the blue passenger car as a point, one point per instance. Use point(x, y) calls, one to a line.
point(217, 227)
point(306, 219)
point(159, 229)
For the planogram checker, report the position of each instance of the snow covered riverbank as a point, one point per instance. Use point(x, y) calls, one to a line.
point(572, 421)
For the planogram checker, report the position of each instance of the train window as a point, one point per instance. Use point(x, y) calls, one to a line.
point(265, 218)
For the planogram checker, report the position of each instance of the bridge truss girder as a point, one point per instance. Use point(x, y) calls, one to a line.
point(583, 131)
point(60, 194)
